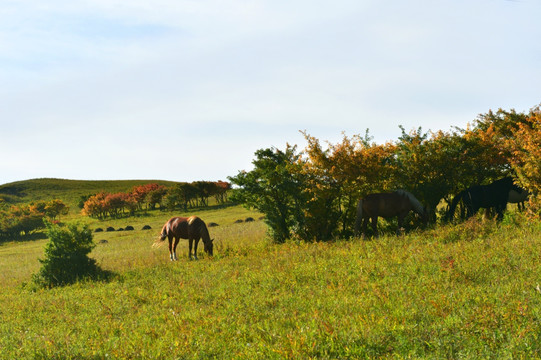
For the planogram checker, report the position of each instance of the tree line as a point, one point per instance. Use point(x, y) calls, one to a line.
point(150, 196)
point(312, 194)
point(17, 220)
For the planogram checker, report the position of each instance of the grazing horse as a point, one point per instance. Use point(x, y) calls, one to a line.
point(516, 197)
point(494, 195)
point(387, 205)
point(192, 228)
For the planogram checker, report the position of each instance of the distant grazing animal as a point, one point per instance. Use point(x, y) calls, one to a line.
point(147, 227)
point(494, 195)
point(191, 228)
point(387, 205)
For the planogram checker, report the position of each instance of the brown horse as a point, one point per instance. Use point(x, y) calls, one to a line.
point(192, 228)
point(387, 205)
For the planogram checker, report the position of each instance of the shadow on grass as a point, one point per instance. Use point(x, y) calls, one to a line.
point(202, 208)
point(37, 235)
point(97, 275)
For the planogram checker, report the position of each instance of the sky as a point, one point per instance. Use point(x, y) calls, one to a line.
point(188, 90)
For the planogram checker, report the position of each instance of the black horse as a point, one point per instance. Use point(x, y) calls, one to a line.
point(494, 195)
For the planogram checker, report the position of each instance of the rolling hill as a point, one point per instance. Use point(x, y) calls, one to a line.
point(68, 191)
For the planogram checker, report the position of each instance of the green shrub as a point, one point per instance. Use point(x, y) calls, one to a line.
point(275, 188)
point(66, 256)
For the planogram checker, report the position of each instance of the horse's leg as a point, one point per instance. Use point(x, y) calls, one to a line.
point(191, 245)
point(468, 211)
point(364, 225)
point(375, 225)
point(475, 210)
point(400, 223)
point(170, 238)
point(175, 249)
point(195, 248)
point(500, 209)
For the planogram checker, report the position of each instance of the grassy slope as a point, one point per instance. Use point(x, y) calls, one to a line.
point(458, 291)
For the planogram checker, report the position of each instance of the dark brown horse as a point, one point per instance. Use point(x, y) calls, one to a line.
point(387, 205)
point(494, 195)
point(192, 228)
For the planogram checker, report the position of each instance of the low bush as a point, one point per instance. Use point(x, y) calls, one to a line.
point(66, 256)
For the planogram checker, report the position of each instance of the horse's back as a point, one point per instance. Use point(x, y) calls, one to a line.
point(516, 197)
point(178, 227)
point(495, 194)
point(187, 228)
point(384, 204)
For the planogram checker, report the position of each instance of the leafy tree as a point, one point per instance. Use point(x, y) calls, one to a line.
point(337, 177)
point(66, 256)
point(155, 196)
point(115, 204)
point(423, 165)
point(502, 125)
point(83, 199)
point(435, 166)
point(525, 148)
point(23, 219)
point(275, 188)
point(222, 188)
point(204, 190)
point(95, 206)
point(181, 195)
point(149, 194)
point(55, 208)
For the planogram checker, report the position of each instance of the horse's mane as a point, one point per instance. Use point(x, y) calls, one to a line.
point(417, 206)
point(201, 226)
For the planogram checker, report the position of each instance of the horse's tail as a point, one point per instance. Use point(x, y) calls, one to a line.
point(163, 234)
point(454, 203)
point(359, 217)
point(159, 240)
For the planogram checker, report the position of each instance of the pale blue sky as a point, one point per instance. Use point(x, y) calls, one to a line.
point(188, 90)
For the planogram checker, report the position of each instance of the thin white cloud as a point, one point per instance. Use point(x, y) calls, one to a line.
point(139, 82)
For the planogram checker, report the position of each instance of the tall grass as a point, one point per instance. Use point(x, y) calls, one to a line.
point(459, 291)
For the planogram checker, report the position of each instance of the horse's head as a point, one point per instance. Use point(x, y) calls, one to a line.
point(209, 246)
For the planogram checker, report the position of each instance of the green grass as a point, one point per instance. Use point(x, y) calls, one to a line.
point(457, 291)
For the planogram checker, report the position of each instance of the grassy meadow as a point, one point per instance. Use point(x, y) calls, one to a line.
point(471, 290)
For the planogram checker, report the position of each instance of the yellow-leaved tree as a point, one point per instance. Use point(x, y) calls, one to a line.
point(525, 148)
point(338, 176)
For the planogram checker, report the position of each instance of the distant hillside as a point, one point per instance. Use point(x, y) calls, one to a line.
point(68, 191)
